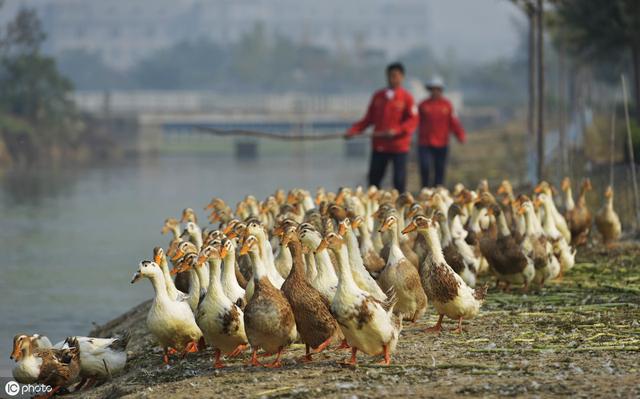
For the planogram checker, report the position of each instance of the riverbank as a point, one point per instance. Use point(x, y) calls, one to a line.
point(577, 337)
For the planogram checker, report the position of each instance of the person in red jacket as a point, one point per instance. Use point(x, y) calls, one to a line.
point(437, 120)
point(393, 115)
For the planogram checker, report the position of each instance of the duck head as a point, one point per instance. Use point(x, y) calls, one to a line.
point(608, 193)
point(389, 222)
point(566, 184)
point(183, 248)
point(21, 344)
point(170, 224)
point(148, 269)
point(158, 254)
point(331, 240)
point(249, 244)
point(228, 247)
point(211, 251)
point(419, 223)
point(189, 215)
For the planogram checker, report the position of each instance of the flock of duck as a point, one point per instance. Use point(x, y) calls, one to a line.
point(345, 267)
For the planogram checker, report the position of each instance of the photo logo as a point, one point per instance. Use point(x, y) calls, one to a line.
point(12, 388)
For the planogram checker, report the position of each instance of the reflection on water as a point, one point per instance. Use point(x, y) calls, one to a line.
point(70, 239)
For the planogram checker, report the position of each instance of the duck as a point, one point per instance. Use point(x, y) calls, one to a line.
point(161, 259)
point(607, 220)
point(182, 279)
point(57, 368)
point(197, 283)
point(229, 279)
point(458, 233)
point(268, 317)
point(579, 217)
point(465, 269)
point(371, 259)
point(505, 256)
point(536, 246)
point(170, 321)
point(360, 274)
point(189, 216)
point(311, 310)
point(401, 277)
point(326, 280)
point(219, 318)
point(567, 201)
point(561, 249)
point(559, 220)
point(446, 290)
point(368, 324)
point(171, 225)
point(256, 229)
point(100, 358)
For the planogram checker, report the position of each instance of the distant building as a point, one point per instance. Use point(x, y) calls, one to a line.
point(124, 31)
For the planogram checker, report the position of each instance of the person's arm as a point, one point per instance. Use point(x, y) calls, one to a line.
point(409, 119)
point(364, 123)
point(456, 127)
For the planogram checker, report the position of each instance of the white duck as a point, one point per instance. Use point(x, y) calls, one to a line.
point(561, 248)
point(368, 324)
point(326, 280)
point(230, 285)
point(170, 321)
point(360, 274)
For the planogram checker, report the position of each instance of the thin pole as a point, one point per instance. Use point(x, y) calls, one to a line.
point(540, 43)
point(613, 142)
point(531, 111)
point(562, 116)
point(630, 145)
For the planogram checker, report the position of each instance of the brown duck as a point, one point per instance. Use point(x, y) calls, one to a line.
point(579, 218)
point(57, 368)
point(311, 310)
point(268, 317)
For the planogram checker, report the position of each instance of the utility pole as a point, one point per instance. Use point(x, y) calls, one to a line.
point(530, 11)
point(540, 68)
point(562, 106)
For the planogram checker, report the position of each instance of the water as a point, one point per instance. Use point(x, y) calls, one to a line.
point(71, 239)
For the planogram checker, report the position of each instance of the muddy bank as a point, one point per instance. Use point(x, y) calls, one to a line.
point(576, 337)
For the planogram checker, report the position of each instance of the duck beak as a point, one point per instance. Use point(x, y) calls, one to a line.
point(521, 210)
point(157, 258)
point(385, 226)
point(201, 260)
point(356, 223)
point(245, 249)
point(410, 227)
point(177, 255)
point(165, 230)
point(16, 354)
point(490, 211)
point(136, 277)
point(538, 189)
point(223, 252)
point(323, 245)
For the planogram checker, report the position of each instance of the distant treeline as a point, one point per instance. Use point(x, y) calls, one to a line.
point(261, 63)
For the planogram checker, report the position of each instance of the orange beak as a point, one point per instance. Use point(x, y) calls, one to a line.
point(356, 223)
point(16, 355)
point(323, 245)
point(410, 227)
point(286, 239)
point(201, 260)
point(385, 226)
point(245, 248)
point(177, 254)
point(521, 210)
point(223, 252)
point(158, 257)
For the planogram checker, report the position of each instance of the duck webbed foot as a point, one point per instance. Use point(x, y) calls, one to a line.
point(238, 350)
point(254, 359)
point(343, 345)
point(387, 356)
point(459, 329)
point(438, 327)
point(352, 360)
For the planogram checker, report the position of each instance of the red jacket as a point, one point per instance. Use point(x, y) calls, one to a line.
point(389, 109)
point(437, 120)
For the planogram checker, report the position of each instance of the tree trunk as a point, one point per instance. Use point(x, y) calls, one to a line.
point(635, 57)
point(540, 43)
point(562, 116)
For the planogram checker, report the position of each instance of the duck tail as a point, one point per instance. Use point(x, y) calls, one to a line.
point(480, 293)
point(121, 341)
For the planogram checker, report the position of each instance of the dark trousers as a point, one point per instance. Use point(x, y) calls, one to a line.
point(436, 156)
point(378, 166)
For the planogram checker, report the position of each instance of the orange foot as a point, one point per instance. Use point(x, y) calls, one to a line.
point(438, 327)
point(387, 356)
point(238, 350)
point(192, 347)
point(352, 361)
point(458, 330)
point(343, 345)
point(254, 359)
point(276, 363)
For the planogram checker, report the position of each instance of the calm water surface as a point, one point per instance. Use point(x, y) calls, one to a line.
point(70, 239)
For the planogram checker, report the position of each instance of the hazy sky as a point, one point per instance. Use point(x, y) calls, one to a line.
point(475, 29)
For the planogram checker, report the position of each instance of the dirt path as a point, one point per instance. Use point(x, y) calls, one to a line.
point(578, 337)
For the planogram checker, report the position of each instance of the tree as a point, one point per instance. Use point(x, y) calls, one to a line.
point(604, 29)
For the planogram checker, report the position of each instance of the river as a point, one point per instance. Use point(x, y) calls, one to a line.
point(70, 239)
